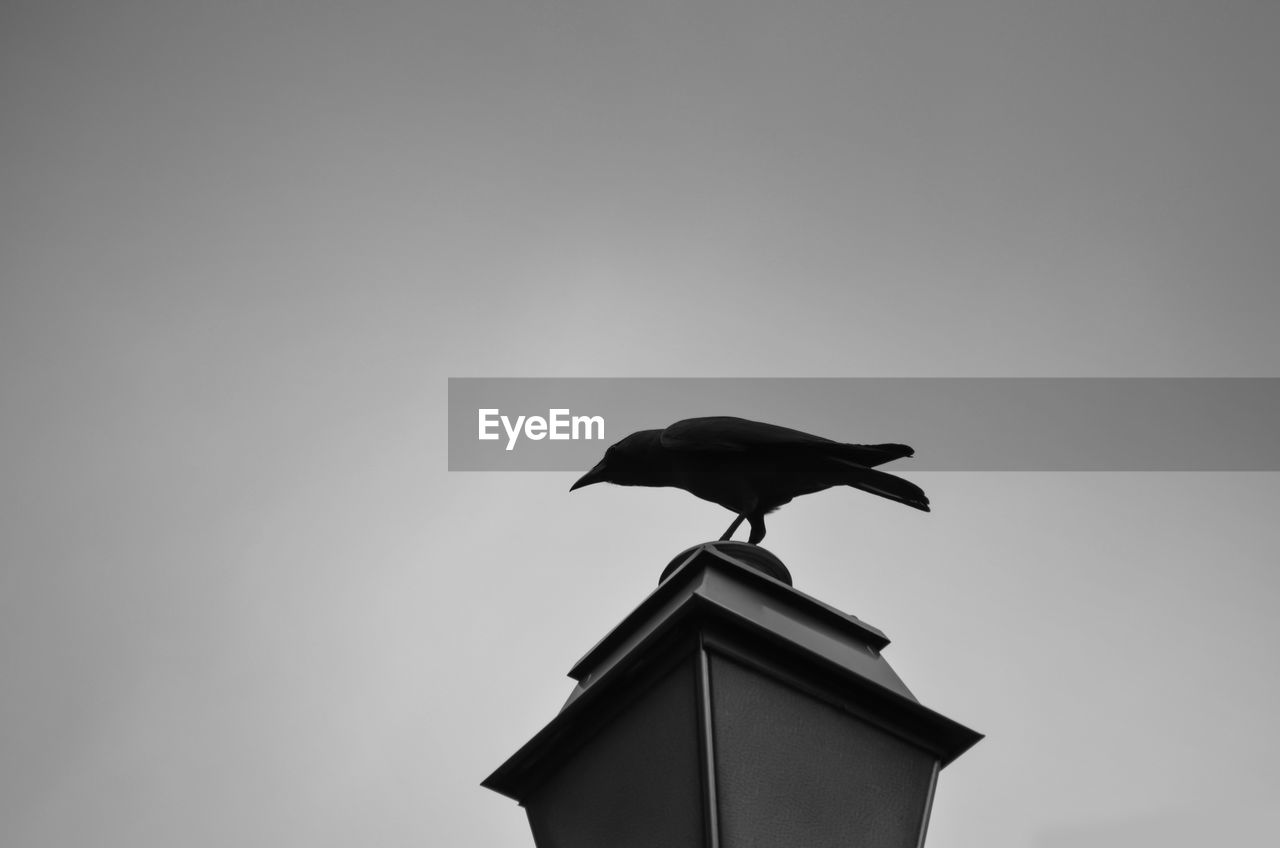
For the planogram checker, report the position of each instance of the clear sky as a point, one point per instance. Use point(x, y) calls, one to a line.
point(243, 246)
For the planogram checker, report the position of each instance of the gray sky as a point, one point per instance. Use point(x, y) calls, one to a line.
point(242, 602)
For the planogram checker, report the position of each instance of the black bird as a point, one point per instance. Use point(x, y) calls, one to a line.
point(748, 467)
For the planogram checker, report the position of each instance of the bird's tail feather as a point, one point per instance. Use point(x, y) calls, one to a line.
point(873, 455)
point(887, 486)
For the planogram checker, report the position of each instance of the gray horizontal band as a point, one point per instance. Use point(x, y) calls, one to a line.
point(954, 424)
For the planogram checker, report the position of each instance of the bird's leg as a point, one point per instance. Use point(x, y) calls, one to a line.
point(728, 534)
point(757, 528)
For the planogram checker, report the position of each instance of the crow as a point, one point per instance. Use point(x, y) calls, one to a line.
point(748, 467)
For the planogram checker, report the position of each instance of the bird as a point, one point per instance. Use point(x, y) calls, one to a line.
point(749, 467)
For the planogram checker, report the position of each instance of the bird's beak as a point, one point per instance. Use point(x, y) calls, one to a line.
point(595, 475)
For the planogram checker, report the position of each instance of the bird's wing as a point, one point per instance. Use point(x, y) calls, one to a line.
point(727, 434)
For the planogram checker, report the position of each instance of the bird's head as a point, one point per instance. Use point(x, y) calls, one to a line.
point(637, 460)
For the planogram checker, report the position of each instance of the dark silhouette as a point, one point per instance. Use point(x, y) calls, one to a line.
point(748, 467)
